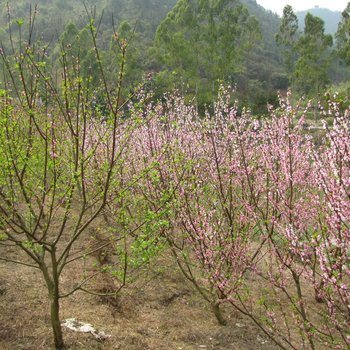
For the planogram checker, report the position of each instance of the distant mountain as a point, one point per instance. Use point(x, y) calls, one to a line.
point(331, 18)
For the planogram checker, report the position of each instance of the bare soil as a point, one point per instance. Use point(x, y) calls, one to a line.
point(159, 312)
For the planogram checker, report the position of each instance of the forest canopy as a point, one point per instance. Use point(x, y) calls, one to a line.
point(192, 45)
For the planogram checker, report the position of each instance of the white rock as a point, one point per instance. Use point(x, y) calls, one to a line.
point(76, 326)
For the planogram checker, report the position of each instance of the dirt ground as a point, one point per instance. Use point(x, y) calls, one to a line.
point(160, 312)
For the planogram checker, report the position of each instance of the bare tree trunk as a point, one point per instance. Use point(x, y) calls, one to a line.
point(55, 319)
point(218, 314)
point(52, 283)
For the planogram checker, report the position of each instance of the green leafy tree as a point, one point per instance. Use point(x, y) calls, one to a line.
point(307, 54)
point(75, 47)
point(287, 37)
point(204, 42)
point(311, 68)
point(136, 62)
point(343, 36)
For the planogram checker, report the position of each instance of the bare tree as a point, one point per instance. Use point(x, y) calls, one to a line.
point(58, 156)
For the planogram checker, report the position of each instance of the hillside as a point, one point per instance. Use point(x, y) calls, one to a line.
point(258, 76)
point(257, 73)
point(146, 13)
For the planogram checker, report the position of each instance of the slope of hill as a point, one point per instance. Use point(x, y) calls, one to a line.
point(263, 72)
point(53, 15)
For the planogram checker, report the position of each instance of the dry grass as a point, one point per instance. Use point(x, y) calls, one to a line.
point(160, 311)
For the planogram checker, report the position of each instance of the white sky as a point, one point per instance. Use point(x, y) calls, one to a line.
point(299, 5)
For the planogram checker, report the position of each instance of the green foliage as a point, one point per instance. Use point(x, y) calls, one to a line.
point(343, 36)
point(288, 36)
point(204, 43)
point(339, 94)
point(56, 171)
point(307, 55)
point(311, 69)
point(75, 49)
point(135, 64)
point(192, 47)
point(207, 42)
point(330, 18)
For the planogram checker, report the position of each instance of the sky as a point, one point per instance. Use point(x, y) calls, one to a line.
point(299, 5)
